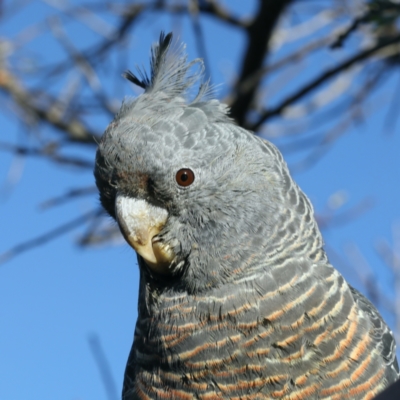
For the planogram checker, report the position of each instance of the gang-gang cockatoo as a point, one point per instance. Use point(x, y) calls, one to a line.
point(237, 298)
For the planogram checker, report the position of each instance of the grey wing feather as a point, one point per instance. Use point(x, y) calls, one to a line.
point(383, 334)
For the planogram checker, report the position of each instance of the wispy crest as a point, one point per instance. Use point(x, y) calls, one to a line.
point(169, 71)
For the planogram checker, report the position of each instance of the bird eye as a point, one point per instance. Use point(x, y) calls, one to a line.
point(184, 177)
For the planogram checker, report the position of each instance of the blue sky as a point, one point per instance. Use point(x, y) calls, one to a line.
point(55, 297)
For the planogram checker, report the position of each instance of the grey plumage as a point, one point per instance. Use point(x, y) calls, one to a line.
point(237, 297)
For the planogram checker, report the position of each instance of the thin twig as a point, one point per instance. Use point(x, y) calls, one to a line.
point(49, 152)
point(211, 7)
point(48, 236)
point(346, 33)
point(315, 83)
point(103, 366)
point(251, 82)
point(74, 128)
point(69, 195)
point(198, 34)
point(98, 50)
point(83, 64)
point(344, 217)
point(259, 34)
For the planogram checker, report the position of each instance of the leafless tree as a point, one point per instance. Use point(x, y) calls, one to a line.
point(58, 98)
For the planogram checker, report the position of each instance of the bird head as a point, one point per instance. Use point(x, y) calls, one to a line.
point(201, 200)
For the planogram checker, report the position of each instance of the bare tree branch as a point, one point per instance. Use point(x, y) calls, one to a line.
point(345, 217)
point(73, 128)
point(198, 32)
point(317, 82)
point(258, 36)
point(47, 151)
point(210, 7)
point(297, 55)
point(66, 197)
point(49, 236)
point(103, 367)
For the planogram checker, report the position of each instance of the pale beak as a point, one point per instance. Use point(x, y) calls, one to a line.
point(139, 222)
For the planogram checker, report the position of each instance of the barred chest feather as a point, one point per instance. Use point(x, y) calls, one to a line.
point(293, 333)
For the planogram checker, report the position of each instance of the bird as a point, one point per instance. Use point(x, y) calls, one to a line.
point(237, 297)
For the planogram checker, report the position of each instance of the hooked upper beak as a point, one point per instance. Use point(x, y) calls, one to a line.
point(140, 222)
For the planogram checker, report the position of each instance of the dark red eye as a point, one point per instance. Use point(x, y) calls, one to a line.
point(184, 177)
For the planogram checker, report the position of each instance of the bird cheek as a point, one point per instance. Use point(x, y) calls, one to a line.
point(140, 222)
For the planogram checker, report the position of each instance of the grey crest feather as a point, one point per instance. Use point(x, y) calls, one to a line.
point(169, 70)
point(170, 84)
